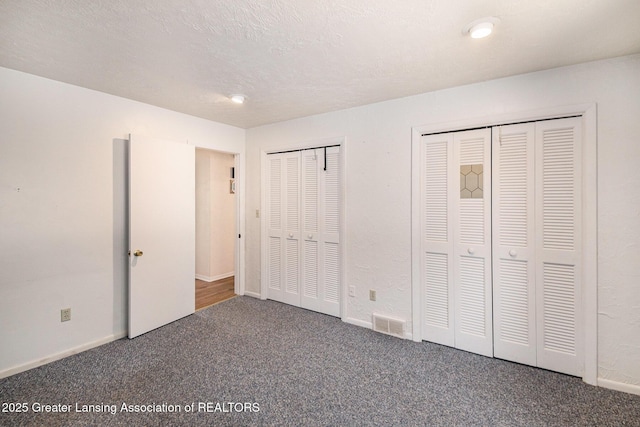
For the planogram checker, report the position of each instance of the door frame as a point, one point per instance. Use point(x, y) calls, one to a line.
point(588, 333)
point(238, 284)
point(341, 141)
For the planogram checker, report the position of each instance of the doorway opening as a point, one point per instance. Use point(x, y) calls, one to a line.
point(216, 232)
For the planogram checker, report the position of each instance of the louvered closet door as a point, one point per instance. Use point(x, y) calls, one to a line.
point(471, 213)
point(558, 239)
point(320, 230)
point(514, 243)
point(283, 248)
point(436, 237)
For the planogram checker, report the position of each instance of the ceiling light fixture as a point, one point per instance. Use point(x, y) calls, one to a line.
point(480, 27)
point(238, 99)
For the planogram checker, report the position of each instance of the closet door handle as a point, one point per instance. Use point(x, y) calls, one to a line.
point(471, 251)
point(513, 253)
point(310, 236)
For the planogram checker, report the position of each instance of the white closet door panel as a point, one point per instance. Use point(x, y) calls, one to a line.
point(331, 193)
point(291, 238)
point(311, 246)
point(275, 230)
point(558, 221)
point(471, 209)
point(321, 230)
point(513, 243)
point(330, 214)
point(292, 193)
point(274, 275)
point(331, 279)
point(438, 320)
point(436, 153)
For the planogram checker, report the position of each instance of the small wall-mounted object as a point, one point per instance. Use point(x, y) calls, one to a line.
point(232, 186)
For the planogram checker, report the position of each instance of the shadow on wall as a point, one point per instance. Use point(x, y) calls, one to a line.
point(120, 235)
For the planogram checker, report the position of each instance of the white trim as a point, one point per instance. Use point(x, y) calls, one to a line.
point(358, 322)
point(239, 285)
point(615, 385)
point(252, 294)
point(263, 226)
point(590, 244)
point(589, 224)
point(61, 355)
point(214, 278)
point(343, 232)
point(416, 299)
point(239, 165)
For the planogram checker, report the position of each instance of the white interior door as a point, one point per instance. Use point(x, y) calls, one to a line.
point(161, 233)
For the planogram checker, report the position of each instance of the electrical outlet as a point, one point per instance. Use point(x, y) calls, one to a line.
point(65, 314)
point(372, 295)
point(352, 291)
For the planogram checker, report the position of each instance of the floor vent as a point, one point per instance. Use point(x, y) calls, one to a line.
point(388, 325)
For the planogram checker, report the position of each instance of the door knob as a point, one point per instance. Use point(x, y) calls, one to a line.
point(513, 253)
point(310, 236)
point(137, 252)
point(471, 251)
point(291, 235)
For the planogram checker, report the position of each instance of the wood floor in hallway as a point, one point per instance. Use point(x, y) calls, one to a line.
point(209, 293)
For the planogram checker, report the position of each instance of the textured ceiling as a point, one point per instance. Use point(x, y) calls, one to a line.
point(294, 58)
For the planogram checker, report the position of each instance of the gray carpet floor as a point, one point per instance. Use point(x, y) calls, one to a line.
point(251, 362)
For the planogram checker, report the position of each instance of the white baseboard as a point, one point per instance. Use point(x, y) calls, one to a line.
point(214, 278)
point(358, 322)
point(252, 294)
point(61, 355)
point(614, 385)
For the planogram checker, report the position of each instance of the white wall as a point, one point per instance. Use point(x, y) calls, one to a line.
point(62, 217)
point(215, 216)
point(378, 190)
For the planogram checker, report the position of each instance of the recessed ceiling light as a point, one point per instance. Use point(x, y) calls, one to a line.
point(238, 99)
point(480, 27)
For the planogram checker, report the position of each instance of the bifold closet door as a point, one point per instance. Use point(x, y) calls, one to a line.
point(303, 208)
point(514, 243)
point(558, 242)
point(536, 239)
point(436, 235)
point(283, 222)
point(455, 257)
point(472, 241)
point(320, 230)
